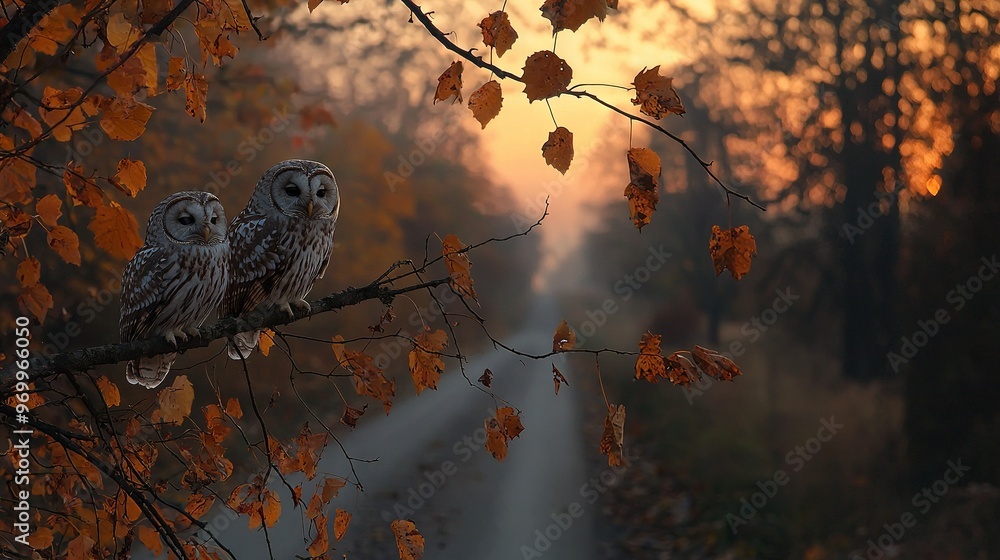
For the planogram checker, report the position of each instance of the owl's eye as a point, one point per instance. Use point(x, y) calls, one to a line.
point(292, 190)
point(215, 219)
point(321, 193)
point(185, 220)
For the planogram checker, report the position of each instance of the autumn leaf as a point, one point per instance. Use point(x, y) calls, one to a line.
point(120, 33)
point(15, 222)
point(545, 75)
point(409, 541)
point(60, 111)
point(176, 400)
point(80, 548)
point(368, 378)
point(641, 192)
point(150, 539)
point(340, 522)
point(131, 176)
point(109, 391)
point(49, 209)
point(176, 73)
point(486, 101)
point(714, 364)
point(271, 507)
point(125, 119)
point(486, 378)
point(650, 364)
point(199, 504)
point(29, 272)
point(732, 249)
point(564, 339)
point(500, 430)
point(36, 300)
point(612, 441)
point(319, 547)
point(681, 370)
point(655, 94)
point(510, 422)
point(196, 90)
point(558, 149)
point(233, 408)
point(498, 32)
point(352, 415)
point(426, 365)
point(571, 14)
point(450, 84)
point(17, 176)
point(557, 378)
point(459, 266)
point(41, 538)
point(266, 341)
point(315, 508)
point(65, 243)
point(116, 231)
point(82, 189)
point(338, 348)
point(331, 487)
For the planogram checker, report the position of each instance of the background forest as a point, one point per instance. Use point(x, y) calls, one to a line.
point(869, 130)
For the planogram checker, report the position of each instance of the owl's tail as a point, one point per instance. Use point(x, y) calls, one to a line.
point(243, 344)
point(149, 372)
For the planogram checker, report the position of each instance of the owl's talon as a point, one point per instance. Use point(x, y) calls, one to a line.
point(301, 305)
point(174, 335)
point(192, 331)
point(287, 310)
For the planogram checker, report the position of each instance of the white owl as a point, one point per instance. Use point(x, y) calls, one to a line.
point(176, 279)
point(280, 243)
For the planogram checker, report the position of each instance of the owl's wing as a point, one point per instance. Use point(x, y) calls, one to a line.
point(255, 262)
point(143, 287)
point(329, 235)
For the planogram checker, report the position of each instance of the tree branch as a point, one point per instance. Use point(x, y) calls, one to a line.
point(22, 23)
point(88, 358)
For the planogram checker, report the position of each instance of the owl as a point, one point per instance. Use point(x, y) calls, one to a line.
point(176, 279)
point(280, 243)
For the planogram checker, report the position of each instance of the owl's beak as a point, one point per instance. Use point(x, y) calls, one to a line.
point(309, 209)
point(206, 233)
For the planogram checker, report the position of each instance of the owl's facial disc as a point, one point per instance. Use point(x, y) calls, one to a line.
point(309, 194)
point(190, 221)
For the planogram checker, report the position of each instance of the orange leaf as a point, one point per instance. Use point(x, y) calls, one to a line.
point(196, 90)
point(49, 208)
point(120, 33)
point(340, 523)
point(60, 111)
point(459, 266)
point(338, 348)
point(331, 487)
point(352, 415)
point(495, 442)
point(272, 507)
point(558, 150)
point(498, 32)
point(17, 176)
point(486, 101)
point(426, 365)
point(176, 73)
point(681, 370)
point(545, 75)
point(266, 341)
point(41, 538)
point(557, 378)
point(571, 14)
point(644, 172)
point(409, 541)
point(80, 548)
point(176, 400)
point(29, 272)
point(116, 231)
point(486, 378)
point(65, 243)
point(510, 422)
point(109, 391)
point(368, 378)
point(321, 544)
point(233, 408)
point(564, 339)
point(82, 189)
point(650, 364)
point(151, 539)
point(131, 176)
point(656, 94)
point(36, 300)
point(732, 249)
point(450, 84)
point(199, 504)
point(612, 441)
point(125, 119)
point(641, 205)
point(715, 364)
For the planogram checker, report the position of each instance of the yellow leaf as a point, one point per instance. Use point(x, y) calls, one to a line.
point(146, 55)
point(176, 73)
point(65, 243)
point(131, 176)
point(498, 32)
point(655, 94)
point(116, 231)
point(176, 400)
point(450, 84)
point(266, 341)
point(196, 90)
point(121, 34)
point(486, 101)
point(545, 75)
point(125, 119)
point(558, 150)
point(49, 208)
point(409, 541)
point(109, 391)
